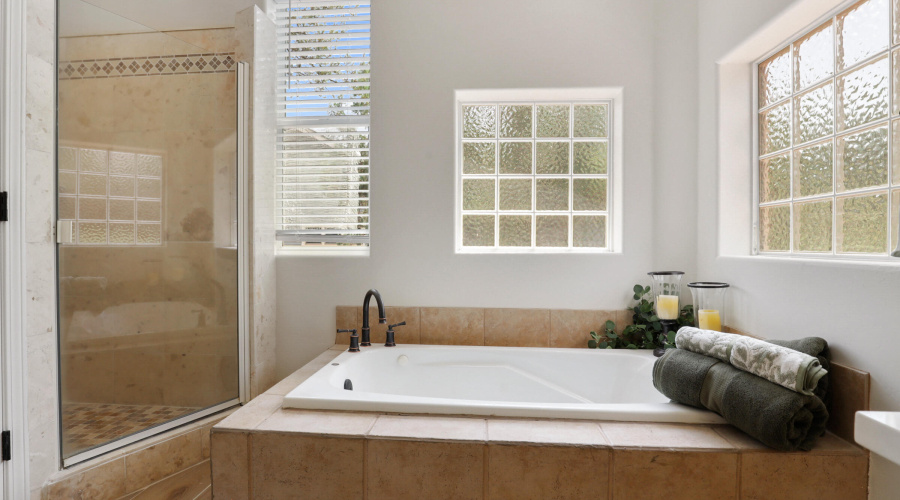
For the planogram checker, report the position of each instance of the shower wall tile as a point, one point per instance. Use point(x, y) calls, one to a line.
point(88, 377)
point(139, 376)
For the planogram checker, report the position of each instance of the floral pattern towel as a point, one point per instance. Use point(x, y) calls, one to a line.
point(786, 367)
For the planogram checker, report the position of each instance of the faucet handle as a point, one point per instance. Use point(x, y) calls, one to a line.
point(354, 339)
point(389, 335)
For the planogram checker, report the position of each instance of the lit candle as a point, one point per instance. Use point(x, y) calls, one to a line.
point(709, 320)
point(667, 306)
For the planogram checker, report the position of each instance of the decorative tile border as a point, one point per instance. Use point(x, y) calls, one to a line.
point(147, 66)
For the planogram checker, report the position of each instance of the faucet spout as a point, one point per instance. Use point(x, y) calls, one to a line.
point(365, 341)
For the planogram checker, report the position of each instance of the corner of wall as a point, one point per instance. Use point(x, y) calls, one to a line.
point(255, 33)
point(40, 268)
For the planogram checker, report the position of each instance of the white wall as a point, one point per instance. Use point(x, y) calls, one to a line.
point(852, 305)
point(421, 52)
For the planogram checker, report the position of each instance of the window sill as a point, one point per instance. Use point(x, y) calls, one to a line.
point(321, 252)
point(884, 262)
point(532, 251)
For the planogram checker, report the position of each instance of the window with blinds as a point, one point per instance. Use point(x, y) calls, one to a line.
point(322, 172)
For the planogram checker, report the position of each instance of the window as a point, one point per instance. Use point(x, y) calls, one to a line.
point(828, 148)
point(111, 197)
point(322, 175)
point(535, 170)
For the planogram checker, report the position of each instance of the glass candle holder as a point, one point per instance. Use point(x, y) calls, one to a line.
point(666, 291)
point(709, 304)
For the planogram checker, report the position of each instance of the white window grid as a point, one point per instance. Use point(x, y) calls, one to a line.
point(534, 213)
point(143, 169)
point(891, 122)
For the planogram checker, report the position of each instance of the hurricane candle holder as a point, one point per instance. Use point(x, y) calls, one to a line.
point(709, 304)
point(666, 291)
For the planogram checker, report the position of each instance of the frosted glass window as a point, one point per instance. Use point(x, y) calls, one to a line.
point(106, 191)
point(537, 175)
point(828, 164)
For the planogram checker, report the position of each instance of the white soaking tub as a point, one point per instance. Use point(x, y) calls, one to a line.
point(495, 381)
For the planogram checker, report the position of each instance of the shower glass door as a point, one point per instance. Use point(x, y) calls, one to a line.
point(147, 223)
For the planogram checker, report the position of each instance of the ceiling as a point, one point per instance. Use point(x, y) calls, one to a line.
point(107, 17)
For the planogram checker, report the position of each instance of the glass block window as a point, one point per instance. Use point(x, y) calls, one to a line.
point(113, 197)
point(534, 175)
point(829, 137)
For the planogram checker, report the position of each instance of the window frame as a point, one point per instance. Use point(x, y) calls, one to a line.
point(888, 121)
point(286, 241)
point(614, 96)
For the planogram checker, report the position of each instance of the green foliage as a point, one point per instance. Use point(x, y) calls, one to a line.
point(645, 330)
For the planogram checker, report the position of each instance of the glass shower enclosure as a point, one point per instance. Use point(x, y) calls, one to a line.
point(147, 227)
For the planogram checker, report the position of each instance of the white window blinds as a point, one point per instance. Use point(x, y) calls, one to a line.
point(322, 175)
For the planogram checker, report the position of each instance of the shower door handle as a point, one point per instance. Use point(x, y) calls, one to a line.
point(65, 232)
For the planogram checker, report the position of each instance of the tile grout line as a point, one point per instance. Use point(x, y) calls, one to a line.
point(610, 477)
point(486, 472)
point(365, 472)
point(249, 465)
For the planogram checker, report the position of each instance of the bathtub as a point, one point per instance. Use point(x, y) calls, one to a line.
point(495, 381)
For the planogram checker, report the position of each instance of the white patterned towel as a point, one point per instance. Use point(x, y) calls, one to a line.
point(786, 367)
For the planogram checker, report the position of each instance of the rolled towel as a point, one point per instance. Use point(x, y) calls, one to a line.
point(777, 417)
point(818, 347)
point(784, 366)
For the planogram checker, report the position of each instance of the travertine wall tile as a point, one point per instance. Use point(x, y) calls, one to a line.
point(547, 472)
point(451, 325)
point(572, 327)
point(230, 464)
point(792, 476)
point(284, 465)
point(517, 327)
point(103, 482)
point(156, 462)
point(413, 470)
point(674, 475)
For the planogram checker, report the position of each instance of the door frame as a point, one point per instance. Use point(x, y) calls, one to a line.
point(13, 290)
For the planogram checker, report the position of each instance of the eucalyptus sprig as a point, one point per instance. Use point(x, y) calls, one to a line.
point(645, 330)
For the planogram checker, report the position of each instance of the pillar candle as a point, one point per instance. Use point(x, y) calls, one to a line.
point(709, 319)
point(667, 306)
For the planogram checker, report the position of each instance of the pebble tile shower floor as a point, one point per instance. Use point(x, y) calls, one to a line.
point(86, 425)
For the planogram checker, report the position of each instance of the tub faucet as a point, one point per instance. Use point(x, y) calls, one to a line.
point(364, 341)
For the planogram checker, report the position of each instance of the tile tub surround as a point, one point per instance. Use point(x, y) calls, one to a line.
point(171, 465)
point(264, 451)
point(557, 328)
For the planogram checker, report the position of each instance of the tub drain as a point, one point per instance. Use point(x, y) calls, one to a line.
point(348, 385)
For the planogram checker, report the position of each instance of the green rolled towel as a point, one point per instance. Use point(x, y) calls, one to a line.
point(776, 416)
point(783, 365)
